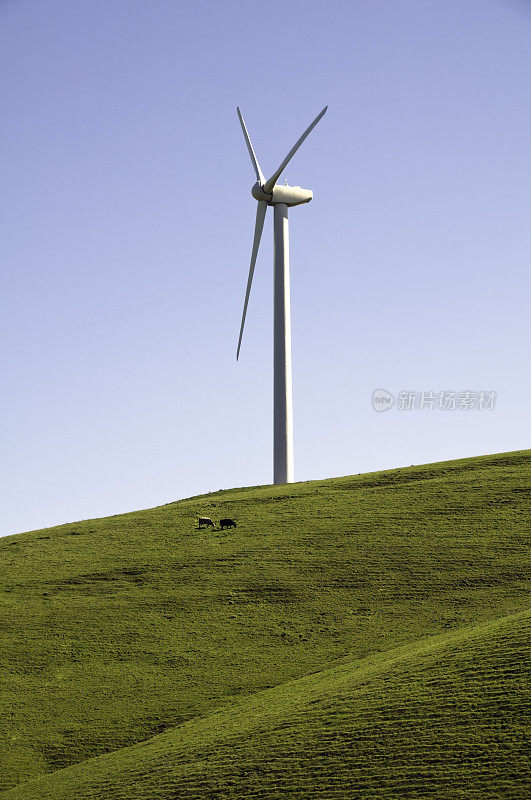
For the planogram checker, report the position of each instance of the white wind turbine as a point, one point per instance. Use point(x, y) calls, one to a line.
point(268, 193)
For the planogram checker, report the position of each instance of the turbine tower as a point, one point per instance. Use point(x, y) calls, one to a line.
point(268, 193)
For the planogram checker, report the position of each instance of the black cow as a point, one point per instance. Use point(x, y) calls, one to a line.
point(226, 523)
point(205, 521)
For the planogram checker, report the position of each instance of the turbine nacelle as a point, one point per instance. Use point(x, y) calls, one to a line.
point(290, 195)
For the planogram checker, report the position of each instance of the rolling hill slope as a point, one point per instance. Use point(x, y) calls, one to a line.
point(434, 719)
point(114, 630)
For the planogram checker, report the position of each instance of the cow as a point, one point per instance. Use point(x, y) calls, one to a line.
point(205, 521)
point(226, 523)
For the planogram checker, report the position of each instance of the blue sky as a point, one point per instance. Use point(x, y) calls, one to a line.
point(127, 226)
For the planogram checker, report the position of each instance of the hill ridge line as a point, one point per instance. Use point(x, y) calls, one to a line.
point(283, 491)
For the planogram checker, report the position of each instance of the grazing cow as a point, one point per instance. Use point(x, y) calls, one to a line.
point(226, 523)
point(205, 521)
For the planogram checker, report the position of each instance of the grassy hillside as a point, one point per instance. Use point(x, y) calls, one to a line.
point(114, 630)
point(437, 718)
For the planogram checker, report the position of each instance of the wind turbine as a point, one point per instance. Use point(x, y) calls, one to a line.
point(268, 193)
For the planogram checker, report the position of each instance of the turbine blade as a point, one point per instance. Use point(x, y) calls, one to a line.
point(258, 228)
point(259, 174)
point(268, 185)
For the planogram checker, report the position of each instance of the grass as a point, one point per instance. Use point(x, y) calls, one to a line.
point(435, 719)
point(356, 637)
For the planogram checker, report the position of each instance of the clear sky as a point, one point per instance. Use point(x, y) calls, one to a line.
point(126, 231)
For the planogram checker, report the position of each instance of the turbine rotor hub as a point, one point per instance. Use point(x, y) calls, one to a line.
point(259, 194)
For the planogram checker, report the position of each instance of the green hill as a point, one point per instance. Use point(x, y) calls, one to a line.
point(438, 718)
point(391, 599)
